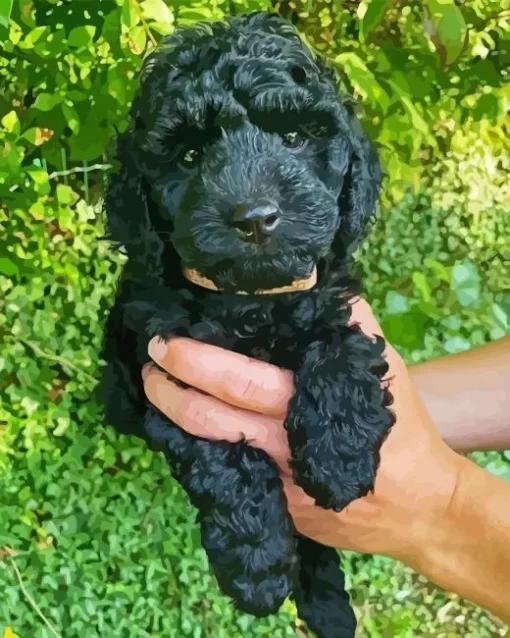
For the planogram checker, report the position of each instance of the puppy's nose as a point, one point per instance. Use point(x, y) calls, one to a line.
point(255, 223)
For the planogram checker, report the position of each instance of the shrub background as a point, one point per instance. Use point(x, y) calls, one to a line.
point(96, 538)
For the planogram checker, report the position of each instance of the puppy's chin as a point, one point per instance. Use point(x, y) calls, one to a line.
point(251, 275)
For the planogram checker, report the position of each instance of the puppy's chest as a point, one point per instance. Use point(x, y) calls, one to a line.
point(274, 331)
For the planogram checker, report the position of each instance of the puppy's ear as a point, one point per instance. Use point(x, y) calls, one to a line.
point(362, 182)
point(358, 199)
point(126, 207)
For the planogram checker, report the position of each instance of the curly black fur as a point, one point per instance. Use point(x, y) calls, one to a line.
point(210, 132)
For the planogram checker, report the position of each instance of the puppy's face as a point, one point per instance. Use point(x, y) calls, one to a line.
point(245, 158)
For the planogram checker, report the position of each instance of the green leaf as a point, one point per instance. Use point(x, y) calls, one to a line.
point(158, 11)
point(447, 29)
point(8, 267)
point(456, 344)
point(396, 303)
point(11, 122)
point(5, 12)
point(66, 195)
point(440, 271)
point(46, 101)
point(406, 330)
point(116, 84)
point(40, 178)
point(37, 135)
point(130, 17)
point(465, 282)
point(72, 117)
point(417, 121)
point(31, 38)
point(194, 14)
point(370, 13)
point(137, 40)
point(502, 470)
point(487, 108)
point(363, 80)
point(81, 36)
point(500, 316)
point(422, 285)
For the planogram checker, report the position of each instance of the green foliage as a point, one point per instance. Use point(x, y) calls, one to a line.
point(104, 542)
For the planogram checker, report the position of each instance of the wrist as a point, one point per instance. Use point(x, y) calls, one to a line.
point(443, 546)
point(467, 552)
point(430, 521)
point(414, 514)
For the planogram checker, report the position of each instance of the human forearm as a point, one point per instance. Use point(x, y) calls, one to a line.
point(468, 397)
point(468, 552)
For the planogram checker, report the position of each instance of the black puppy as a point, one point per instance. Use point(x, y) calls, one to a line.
point(243, 187)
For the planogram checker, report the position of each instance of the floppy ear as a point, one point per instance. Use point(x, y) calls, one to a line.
point(358, 199)
point(126, 206)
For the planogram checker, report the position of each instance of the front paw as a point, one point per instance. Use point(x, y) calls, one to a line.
point(338, 420)
point(336, 481)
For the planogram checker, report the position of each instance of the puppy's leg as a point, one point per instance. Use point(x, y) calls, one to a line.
point(320, 596)
point(339, 417)
point(246, 530)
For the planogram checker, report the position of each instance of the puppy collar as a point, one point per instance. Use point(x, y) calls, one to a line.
point(305, 283)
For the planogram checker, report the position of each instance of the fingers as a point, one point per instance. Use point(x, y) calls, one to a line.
point(208, 417)
point(363, 315)
point(229, 376)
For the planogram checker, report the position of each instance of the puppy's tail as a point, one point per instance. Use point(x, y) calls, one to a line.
point(320, 595)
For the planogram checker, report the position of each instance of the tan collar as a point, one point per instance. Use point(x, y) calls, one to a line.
point(297, 285)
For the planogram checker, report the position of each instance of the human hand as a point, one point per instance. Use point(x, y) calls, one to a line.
point(248, 398)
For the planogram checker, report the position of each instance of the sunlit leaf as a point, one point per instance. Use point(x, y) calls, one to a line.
point(447, 29)
point(81, 36)
point(38, 135)
point(137, 39)
point(440, 271)
point(363, 80)
point(370, 13)
point(422, 285)
point(47, 101)
point(11, 122)
point(157, 11)
point(194, 14)
point(66, 195)
point(130, 15)
point(31, 38)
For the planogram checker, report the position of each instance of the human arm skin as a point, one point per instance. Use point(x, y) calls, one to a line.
point(468, 396)
point(469, 553)
point(431, 508)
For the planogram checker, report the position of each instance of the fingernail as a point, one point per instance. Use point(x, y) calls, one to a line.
point(157, 349)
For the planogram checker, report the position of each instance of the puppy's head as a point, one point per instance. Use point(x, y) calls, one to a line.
point(242, 162)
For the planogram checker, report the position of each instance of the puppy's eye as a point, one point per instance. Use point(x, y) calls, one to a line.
point(190, 157)
point(293, 140)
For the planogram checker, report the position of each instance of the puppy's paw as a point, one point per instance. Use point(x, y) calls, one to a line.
point(334, 483)
point(259, 598)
